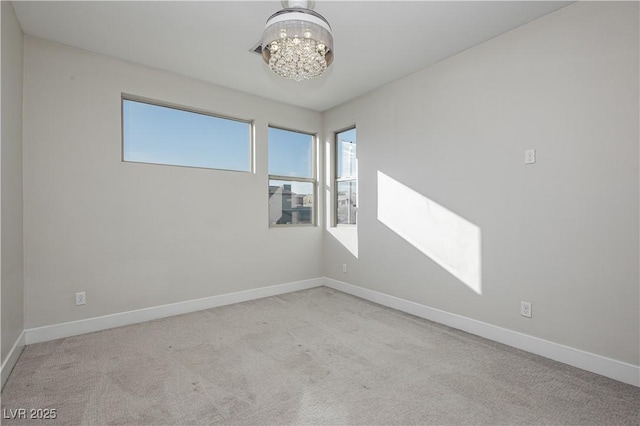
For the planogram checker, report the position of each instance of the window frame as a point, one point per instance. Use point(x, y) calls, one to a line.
point(336, 180)
point(313, 179)
point(154, 102)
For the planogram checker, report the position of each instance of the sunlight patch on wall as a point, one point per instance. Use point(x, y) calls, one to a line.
point(451, 241)
point(345, 235)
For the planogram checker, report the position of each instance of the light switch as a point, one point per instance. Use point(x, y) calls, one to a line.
point(530, 156)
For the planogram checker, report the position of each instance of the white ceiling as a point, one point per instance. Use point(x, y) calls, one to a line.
point(375, 42)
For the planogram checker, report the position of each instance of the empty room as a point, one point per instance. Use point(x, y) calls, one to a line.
point(320, 212)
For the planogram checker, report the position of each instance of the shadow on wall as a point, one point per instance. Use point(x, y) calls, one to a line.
point(451, 241)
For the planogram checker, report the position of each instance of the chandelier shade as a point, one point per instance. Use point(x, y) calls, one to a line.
point(297, 43)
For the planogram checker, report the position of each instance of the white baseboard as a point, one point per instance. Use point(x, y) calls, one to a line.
point(12, 358)
point(74, 328)
point(604, 366)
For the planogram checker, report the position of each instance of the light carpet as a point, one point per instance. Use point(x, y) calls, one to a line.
point(316, 356)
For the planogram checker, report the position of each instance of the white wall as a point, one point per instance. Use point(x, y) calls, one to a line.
point(11, 262)
point(136, 235)
point(561, 234)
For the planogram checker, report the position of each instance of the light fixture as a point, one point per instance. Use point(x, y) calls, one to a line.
point(297, 41)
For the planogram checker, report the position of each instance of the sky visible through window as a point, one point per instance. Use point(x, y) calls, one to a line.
point(345, 168)
point(162, 135)
point(290, 153)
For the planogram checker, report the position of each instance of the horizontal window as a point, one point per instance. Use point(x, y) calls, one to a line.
point(165, 135)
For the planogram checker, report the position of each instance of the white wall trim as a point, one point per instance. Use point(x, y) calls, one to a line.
point(74, 328)
point(12, 358)
point(604, 366)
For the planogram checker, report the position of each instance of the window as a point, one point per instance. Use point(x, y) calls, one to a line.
point(346, 178)
point(292, 182)
point(172, 136)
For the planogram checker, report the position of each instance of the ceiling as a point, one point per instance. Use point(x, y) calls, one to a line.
point(375, 42)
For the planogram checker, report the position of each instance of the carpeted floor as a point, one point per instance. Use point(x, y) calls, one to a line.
point(312, 357)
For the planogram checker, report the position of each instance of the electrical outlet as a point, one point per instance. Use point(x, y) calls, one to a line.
point(81, 298)
point(344, 268)
point(525, 309)
point(530, 156)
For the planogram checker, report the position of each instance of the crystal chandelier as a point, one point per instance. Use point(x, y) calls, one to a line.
point(297, 42)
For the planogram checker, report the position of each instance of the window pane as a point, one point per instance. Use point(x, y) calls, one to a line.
point(290, 153)
point(347, 202)
point(290, 202)
point(347, 166)
point(162, 135)
point(346, 173)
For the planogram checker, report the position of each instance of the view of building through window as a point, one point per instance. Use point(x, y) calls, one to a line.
point(346, 178)
point(291, 178)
